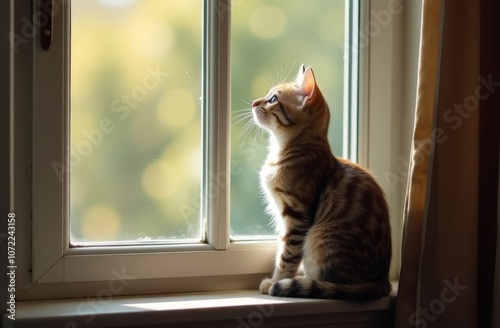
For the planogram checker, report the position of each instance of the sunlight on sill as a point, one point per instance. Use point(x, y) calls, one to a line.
point(200, 304)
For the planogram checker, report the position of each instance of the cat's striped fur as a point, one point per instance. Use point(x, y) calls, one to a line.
point(330, 213)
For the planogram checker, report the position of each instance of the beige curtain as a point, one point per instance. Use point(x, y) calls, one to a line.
point(449, 238)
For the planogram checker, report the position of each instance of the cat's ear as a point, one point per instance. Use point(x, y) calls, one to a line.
point(307, 82)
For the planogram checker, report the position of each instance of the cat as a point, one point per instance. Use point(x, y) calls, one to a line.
point(330, 214)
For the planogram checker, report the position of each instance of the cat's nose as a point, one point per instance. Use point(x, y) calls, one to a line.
point(256, 103)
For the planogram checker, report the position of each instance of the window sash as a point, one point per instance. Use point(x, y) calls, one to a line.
point(217, 122)
point(50, 229)
point(351, 82)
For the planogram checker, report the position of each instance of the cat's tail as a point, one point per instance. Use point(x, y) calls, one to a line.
point(303, 287)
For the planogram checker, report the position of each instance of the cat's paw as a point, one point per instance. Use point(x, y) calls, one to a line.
point(265, 285)
point(281, 287)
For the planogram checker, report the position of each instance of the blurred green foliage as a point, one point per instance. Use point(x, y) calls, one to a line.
point(136, 147)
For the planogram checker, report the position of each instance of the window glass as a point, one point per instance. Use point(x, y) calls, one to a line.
point(269, 41)
point(135, 118)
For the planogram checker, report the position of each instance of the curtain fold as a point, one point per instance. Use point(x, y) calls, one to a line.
point(448, 254)
point(420, 168)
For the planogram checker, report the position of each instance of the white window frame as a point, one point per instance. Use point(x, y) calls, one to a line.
point(157, 268)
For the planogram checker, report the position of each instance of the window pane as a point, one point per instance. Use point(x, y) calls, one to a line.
point(270, 39)
point(135, 120)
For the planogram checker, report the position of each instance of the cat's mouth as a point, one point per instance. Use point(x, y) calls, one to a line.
point(259, 115)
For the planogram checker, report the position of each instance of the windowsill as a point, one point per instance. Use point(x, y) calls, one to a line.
point(245, 308)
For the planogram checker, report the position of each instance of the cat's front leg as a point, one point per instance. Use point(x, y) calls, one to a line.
point(265, 285)
point(288, 259)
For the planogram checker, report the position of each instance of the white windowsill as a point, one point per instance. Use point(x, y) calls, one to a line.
point(245, 308)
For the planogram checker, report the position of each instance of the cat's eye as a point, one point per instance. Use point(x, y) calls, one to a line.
point(273, 99)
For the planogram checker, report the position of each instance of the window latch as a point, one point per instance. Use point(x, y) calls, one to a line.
point(46, 28)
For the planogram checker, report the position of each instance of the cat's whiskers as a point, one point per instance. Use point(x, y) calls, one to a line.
point(278, 75)
point(285, 72)
point(268, 82)
point(241, 117)
point(246, 130)
point(245, 101)
point(259, 133)
point(271, 81)
point(248, 124)
point(241, 114)
point(240, 110)
point(281, 74)
point(289, 70)
point(283, 77)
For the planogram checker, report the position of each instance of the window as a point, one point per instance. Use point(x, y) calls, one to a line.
point(107, 141)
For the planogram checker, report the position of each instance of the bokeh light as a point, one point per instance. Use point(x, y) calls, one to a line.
point(161, 180)
point(101, 223)
point(117, 3)
point(267, 22)
point(155, 40)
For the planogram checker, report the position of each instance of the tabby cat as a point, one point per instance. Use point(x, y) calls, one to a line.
point(330, 213)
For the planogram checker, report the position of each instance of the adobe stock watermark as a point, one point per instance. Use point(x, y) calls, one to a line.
point(454, 116)
point(93, 305)
point(437, 306)
point(379, 20)
point(121, 108)
point(256, 318)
